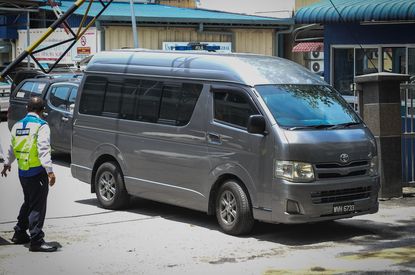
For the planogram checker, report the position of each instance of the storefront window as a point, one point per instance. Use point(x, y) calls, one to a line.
point(411, 63)
point(367, 61)
point(394, 60)
point(343, 70)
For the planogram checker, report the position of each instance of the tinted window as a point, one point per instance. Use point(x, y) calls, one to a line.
point(232, 107)
point(25, 90)
point(142, 100)
point(129, 97)
point(112, 99)
point(169, 105)
point(190, 95)
point(93, 95)
point(148, 101)
point(178, 103)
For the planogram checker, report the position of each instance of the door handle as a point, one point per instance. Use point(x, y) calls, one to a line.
point(45, 114)
point(65, 119)
point(214, 138)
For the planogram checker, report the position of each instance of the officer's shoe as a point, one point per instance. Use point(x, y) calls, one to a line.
point(20, 237)
point(43, 247)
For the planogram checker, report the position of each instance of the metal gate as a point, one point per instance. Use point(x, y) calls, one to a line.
point(408, 133)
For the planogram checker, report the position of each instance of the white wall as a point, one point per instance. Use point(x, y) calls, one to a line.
point(273, 8)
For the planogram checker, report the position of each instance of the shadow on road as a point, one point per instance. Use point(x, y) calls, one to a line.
point(165, 211)
point(372, 235)
point(4, 242)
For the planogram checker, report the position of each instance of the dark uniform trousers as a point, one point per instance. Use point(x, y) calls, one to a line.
point(33, 211)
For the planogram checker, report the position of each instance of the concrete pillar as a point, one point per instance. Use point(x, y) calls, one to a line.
point(379, 106)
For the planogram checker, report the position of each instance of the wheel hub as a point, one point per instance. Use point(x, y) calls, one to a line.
point(107, 186)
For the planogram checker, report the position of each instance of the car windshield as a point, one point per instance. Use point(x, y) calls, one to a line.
point(307, 106)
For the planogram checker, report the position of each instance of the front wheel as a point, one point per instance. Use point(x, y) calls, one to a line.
point(110, 188)
point(233, 210)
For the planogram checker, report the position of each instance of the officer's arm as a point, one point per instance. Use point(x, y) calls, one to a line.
point(9, 157)
point(43, 148)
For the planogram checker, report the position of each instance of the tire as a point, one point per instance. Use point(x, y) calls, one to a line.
point(109, 187)
point(233, 210)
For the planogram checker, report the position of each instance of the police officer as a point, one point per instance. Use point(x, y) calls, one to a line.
point(30, 145)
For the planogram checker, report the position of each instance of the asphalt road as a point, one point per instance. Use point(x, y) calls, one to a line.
point(153, 238)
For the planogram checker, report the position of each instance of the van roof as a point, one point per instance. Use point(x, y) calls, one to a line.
point(247, 69)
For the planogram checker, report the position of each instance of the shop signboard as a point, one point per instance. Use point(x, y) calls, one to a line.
point(219, 47)
point(87, 45)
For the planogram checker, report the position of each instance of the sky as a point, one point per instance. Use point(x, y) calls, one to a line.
point(274, 8)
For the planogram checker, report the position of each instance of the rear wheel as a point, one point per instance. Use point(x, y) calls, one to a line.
point(110, 188)
point(233, 210)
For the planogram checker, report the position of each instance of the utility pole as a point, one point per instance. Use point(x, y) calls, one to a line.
point(28, 37)
point(134, 25)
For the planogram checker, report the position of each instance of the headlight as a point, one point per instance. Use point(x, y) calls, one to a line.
point(374, 166)
point(294, 171)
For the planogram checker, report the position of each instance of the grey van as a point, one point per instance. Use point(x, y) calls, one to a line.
point(59, 94)
point(243, 137)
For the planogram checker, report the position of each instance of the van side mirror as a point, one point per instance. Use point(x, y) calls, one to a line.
point(256, 124)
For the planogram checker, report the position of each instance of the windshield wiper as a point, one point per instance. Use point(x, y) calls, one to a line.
point(325, 126)
point(320, 126)
point(344, 125)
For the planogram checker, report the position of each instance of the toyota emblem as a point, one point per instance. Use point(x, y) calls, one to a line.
point(344, 158)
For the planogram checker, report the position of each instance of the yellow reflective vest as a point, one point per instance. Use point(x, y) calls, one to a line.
point(24, 142)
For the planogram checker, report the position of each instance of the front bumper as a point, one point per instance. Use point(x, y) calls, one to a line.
point(361, 191)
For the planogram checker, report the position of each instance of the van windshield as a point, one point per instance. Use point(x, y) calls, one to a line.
point(307, 106)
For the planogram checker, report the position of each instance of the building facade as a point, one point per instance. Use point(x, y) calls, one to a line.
point(362, 37)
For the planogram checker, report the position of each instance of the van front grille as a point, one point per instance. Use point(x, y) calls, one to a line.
point(336, 170)
point(337, 165)
point(341, 195)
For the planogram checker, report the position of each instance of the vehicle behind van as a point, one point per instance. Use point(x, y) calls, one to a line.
point(243, 137)
point(59, 94)
point(4, 98)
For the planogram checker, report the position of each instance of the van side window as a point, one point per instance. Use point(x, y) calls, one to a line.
point(189, 96)
point(129, 94)
point(58, 96)
point(178, 102)
point(169, 105)
point(112, 99)
point(232, 107)
point(148, 104)
point(138, 99)
point(92, 100)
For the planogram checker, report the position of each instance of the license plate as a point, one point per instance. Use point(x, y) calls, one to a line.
point(343, 208)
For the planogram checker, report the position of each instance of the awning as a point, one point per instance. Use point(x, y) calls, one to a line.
point(155, 13)
point(327, 12)
point(308, 47)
